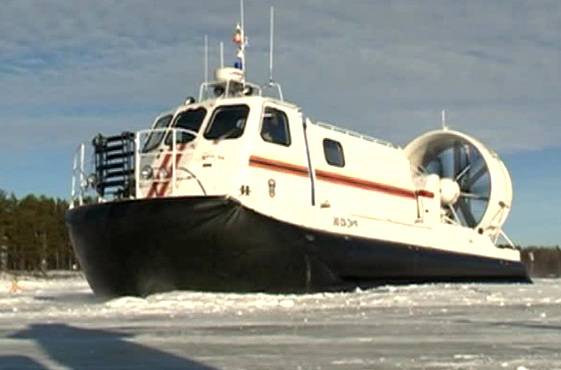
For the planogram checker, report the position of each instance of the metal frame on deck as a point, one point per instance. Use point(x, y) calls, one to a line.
point(84, 169)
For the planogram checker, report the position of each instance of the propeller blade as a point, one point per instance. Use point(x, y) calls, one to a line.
point(429, 157)
point(440, 166)
point(463, 172)
point(476, 176)
point(466, 212)
point(474, 196)
point(457, 159)
point(468, 150)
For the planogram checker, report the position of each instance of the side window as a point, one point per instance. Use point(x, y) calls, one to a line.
point(274, 128)
point(333, 153)
point(188, 120)
point(228, 122)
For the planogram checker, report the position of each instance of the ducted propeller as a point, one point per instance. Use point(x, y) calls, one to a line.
point(465, 179)
point(475, 187)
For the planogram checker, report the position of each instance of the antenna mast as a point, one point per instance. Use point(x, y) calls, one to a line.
point(240, 40)
point(272, 83)
point(221, 54)
point(271, 44)
point(206, 59)
point(243, 44)
point(443, 120)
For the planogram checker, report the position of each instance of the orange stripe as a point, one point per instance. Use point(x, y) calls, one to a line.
point(363, 184)
point(265, 163)
point(278, 166)
point(425, 193)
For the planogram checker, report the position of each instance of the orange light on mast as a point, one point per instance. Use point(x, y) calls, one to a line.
point(237, 38)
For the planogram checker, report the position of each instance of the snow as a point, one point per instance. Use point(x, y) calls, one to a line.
point(58, 323)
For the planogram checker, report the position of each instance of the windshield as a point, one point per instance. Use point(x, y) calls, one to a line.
point(228, 122)
point(188, 120)
point(156, 136)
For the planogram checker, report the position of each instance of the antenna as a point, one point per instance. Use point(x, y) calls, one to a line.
point(242, 20)
point(221, 54)
point(243, 43)
point(206, 59)
point(443, 120)
point(271, 43)
point(272, 83)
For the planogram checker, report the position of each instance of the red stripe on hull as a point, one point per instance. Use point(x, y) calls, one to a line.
point(364, 184)
point(278, 166)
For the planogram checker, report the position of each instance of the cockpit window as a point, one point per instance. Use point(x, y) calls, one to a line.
point(274, 128)
point(156, 136)
point(228, 122)
point(188, 120)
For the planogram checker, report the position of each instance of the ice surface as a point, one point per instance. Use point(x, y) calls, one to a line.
point(58, 323)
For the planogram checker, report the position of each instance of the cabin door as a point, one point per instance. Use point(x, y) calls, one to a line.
point(279, 163)
point(220, 150)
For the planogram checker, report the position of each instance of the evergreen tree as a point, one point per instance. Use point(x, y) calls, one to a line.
point(33, 235)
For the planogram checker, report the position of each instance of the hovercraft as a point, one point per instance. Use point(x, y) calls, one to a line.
point(239, 191)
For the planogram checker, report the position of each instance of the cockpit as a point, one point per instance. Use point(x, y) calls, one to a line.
point(188, 122)
point(226, 122)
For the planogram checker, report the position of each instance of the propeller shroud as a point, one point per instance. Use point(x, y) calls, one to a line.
point(483, 183)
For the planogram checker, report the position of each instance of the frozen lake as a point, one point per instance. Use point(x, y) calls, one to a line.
point(59, 324)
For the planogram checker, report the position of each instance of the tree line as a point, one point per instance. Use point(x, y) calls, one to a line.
point(33, 235)
point(542, 261)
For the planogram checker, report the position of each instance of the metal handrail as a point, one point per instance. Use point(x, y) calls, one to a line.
point(82, 169)
point(354, 134)
point(139, 153)
point(163, 130)
point(205, 86)
point(78, 177)
point(274, 85)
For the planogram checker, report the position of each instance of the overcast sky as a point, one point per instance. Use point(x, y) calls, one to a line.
point(70, 69)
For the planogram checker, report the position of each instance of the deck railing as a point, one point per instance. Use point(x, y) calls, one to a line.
point(161, 165)
point(156, 165)
point(354, 134)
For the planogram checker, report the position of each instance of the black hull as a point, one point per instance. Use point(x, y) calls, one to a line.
point(216, 244)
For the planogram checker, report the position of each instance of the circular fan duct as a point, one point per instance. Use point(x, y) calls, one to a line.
point(475, 186)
